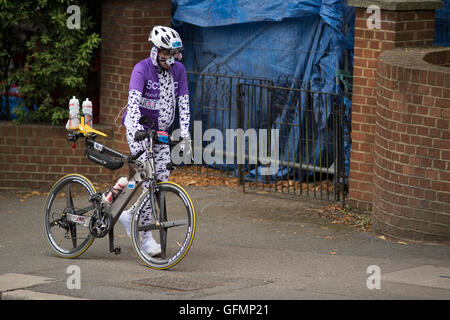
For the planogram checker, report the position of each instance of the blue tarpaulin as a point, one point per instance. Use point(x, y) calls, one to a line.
point(308, 40)
point(442, 25)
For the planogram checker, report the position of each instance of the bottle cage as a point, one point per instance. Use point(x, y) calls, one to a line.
point(95, 152)
point(85, 129)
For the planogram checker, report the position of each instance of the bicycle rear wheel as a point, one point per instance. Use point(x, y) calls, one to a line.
point(67, 214)
point(176, 230)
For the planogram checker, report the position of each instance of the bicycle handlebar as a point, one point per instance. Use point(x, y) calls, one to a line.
point(139, 136)
point(149, 134)
point(152, 134)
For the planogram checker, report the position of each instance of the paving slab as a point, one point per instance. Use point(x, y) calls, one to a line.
point(14, 281)
point(247, 246)
point(32, 295)
point(427, 276)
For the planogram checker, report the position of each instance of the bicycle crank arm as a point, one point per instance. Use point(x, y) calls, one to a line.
point(171, 224)
point(164, 225)
point(149, 227)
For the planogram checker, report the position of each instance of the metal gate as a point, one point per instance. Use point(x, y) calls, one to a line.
point(275, 137)
point(302, 131)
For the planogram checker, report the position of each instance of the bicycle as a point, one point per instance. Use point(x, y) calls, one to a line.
point(75, 213)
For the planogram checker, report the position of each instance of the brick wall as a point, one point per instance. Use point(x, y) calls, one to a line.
point(33, 157)
point(126, 26)
point(409, 27)
point(400, 157)
point(440, 58)
point(412, 145)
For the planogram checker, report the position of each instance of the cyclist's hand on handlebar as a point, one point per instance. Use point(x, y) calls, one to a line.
point(186, 149)
point(140, 135)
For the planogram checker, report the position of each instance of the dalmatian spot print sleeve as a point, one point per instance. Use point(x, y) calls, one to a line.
point(133, 112)
point(137, 83)
point(183, 108)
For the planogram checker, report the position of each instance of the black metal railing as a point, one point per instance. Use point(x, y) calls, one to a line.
point(275, 136)
point(214, 105)
point(304, 134)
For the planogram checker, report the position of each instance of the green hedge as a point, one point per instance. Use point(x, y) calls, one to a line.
point(47, 54)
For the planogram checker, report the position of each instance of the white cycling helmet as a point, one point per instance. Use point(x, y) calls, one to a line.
point(166, 38)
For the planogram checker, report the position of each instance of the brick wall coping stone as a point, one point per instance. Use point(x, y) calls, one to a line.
point(413, 58)
point(398, 5)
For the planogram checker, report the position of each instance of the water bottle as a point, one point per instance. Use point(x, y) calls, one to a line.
point(74, 114)
point(114, 192)
point(87, 111)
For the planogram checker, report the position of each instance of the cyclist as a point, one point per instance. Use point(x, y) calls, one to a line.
point(157, 84)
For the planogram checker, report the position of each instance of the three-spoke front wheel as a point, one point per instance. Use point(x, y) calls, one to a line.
point(175, 229)
point(67, 214)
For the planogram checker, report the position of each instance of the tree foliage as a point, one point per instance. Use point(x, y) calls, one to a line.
point(56, 59)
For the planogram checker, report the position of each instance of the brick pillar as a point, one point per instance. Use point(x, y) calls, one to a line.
point(126, 25)
point(402, 24)
point(412, 145)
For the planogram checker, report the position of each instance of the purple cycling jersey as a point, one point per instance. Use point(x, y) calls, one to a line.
point(145, 79)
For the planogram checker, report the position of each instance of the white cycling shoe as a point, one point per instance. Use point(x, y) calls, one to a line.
point(148, 243)
point(125, 220)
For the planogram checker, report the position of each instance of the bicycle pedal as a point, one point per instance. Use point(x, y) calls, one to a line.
point(116, 251)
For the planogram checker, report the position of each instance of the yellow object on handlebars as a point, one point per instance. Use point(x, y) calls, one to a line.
point(85, 129)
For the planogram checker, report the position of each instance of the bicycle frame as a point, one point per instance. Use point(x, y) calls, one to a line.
point(144, 171)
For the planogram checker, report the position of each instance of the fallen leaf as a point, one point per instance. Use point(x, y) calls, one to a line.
point(382, 237)
point(191, 183)
point(402, 242)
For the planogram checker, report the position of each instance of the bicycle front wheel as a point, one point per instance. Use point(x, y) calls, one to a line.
point(175, 230)
point(67, 214)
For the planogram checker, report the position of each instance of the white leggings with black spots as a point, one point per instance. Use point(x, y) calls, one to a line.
point(162, 158)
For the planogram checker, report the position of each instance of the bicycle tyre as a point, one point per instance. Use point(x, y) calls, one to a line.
point(56, 215)
point(179, 219)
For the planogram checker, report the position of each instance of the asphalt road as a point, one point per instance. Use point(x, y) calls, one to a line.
point(247, 246)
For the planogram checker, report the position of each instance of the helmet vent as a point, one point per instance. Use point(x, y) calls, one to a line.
point(165, 41)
